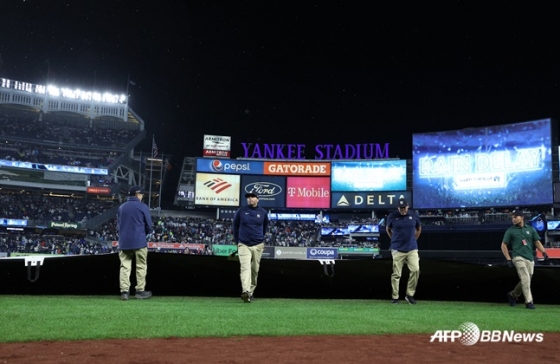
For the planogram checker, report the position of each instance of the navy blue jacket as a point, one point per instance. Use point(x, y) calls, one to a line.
point(249, 225)
point(404, 230)
point(134, 223)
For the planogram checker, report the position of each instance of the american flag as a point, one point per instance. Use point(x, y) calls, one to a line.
point(154, 147)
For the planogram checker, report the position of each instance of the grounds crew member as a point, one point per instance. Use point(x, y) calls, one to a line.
point(249, 228)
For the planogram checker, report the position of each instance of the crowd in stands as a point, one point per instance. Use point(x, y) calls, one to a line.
point(35, 153)
point(30, 128)
point(180, 229)
point(51, 244)
point(51, 208)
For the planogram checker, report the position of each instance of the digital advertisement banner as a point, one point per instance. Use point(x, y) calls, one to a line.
point(99, 190)
point(362, 228)
point(53, 167)
point(368, 200)
point(216, 146)
point(193, 248)
point(232, 166)
point(297, 168)
point(217, 189)
point(504, 165)
point(358, 251)
point(63, 225)
point(13, 222)
point(308, 192)
point(290, 253)
point(271, 190)
point(268, 252)
point(223, 250)
point(389, 175)
point(290, 216)
point(322, 253)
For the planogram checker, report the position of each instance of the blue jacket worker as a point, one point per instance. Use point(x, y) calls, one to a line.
point(134, 222)
point(404, 228)
point(249, 228)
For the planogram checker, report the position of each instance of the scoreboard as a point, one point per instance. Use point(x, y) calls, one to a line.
point(301, 185)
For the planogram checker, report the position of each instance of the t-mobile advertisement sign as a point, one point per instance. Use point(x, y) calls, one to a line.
point(308, 192)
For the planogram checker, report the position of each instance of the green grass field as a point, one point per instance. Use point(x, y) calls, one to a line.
point(34, 318)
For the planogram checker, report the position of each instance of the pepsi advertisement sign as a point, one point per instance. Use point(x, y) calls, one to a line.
point(322, 253)
point(230, 166)
point(271, 189)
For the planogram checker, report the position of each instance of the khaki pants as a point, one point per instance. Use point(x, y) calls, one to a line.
point(525, 269)
point(412, 261)
point(126, 257)
point(249, 260)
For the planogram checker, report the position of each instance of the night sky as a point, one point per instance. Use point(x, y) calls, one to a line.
point(313, 72)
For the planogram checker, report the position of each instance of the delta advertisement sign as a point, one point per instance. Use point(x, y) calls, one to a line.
point(368, 200)
point(217, 189)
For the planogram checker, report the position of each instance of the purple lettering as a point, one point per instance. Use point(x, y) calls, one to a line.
point(291, 151)
point(319, 151)
point(351, 152)
point(280, 151)
point(256, 151)
point(337, 152)
point(269, 151)
point(365, 154)
point(246, 147)
point(382, 153)
point(301, 151)
point(322, 151)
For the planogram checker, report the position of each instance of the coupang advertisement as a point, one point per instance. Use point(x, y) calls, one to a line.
point(506, 165)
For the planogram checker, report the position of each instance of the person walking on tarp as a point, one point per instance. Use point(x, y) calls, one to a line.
point(523, 240)
point(249, 228)
point(404, 228)
point(134, 222)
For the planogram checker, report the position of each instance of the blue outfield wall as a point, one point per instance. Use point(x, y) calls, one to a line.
point(189, 275)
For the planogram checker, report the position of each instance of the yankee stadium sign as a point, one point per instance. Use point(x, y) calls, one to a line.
point(322, 151)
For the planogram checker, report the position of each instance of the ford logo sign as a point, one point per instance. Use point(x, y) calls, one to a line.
point(263, 189)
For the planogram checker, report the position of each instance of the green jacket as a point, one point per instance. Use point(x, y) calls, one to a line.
point(521, 240)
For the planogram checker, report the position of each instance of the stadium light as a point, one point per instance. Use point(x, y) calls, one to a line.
point(65, 92)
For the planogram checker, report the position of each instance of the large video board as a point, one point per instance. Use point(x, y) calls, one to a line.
point(506, 165)
point(386, 175)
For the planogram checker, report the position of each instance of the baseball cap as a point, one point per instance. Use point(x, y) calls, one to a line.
point(517, 213)
point(251, 194)
point(134, 190)
point(402, 202)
